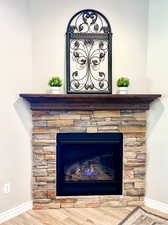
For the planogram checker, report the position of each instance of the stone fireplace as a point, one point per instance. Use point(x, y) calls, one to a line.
point(54, 117)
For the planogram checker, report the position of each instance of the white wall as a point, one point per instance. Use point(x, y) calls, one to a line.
point(128, 20)
point(157, 72)
point(15, 117)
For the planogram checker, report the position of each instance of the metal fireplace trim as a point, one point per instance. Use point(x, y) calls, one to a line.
point(65, 138)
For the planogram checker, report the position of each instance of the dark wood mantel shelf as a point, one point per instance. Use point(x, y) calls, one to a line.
point(89, 101)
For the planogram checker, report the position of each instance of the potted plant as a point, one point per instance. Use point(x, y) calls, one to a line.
point(122, 84)
point(55, 84)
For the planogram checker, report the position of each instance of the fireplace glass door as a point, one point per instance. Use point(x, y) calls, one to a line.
point(89, 164)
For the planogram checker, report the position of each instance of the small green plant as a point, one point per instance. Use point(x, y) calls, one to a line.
point(123, 82)
point(55, 82)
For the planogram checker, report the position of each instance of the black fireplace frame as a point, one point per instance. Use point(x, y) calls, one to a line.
point(64, 138)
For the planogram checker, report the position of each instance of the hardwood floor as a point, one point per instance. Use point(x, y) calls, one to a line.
point(73, 216)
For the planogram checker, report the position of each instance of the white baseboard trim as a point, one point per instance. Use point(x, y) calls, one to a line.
point(11, 213)
point(154, 204)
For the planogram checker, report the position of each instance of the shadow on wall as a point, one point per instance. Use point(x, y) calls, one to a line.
point(24, 113)
point(157, 108)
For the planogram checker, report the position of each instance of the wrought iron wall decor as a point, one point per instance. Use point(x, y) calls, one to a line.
point(89, 53)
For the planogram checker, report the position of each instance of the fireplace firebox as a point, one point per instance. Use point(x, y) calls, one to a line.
point(89, 164)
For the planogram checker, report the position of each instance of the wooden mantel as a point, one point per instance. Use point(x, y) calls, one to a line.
point(89, 101)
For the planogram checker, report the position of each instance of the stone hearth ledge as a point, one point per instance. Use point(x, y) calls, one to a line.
point(131, 121)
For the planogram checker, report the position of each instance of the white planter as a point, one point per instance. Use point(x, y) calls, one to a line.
point(122, 90)
point(55, 90)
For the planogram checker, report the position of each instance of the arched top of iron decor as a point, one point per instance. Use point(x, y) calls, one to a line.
point(89, 21)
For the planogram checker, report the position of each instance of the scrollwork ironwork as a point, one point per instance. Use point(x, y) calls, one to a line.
point(88, 54)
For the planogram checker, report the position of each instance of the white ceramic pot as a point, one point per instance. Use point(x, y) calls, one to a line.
point(122, 90)
point(55, 90)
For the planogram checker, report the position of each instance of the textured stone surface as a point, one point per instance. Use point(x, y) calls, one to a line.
point(60, 123)
point(92, 129)
point(46, 125)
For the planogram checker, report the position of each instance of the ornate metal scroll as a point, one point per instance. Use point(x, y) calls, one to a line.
point(89, 53)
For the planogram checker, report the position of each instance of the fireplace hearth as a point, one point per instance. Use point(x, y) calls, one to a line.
point(86, 115)
point(89, 164)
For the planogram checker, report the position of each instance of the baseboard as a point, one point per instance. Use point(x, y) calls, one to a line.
point(11, 213)
point(163, 207)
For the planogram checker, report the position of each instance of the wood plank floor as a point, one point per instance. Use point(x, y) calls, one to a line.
point(73, 216)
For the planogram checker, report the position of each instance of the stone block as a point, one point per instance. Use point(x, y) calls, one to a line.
point(103, 128)
point(42, 130)
point(130, 198)
point(130, 155)
point(70, 116)
point(135, 203)
point(139, 123)
point(87, 202)
point(85, 117)
point(107, 131)
point(43, 137)
point(104, 114)
point(51, 185)
point(42, 201)
point(141, 156)
point(39, 186)
point(67, 205)
point(60, 123)
point(133, 180)
point(38, 150)
point(134, 148)
point(134, 163)
point(45, 179)
point(104, 198)
point(51, 165)
point(135, 114)
point(130, 141)
point(139, 172)
point(72, 129)
point(108, 123)
point(40, 123)
point(45, 117)
point(139, 184)
point(35, 112)
point(43, 142)
point(92, 130)
point(129, 185)
point(39, 172)
point(141, 139)
point(49, 149)
point(39, 194)
point(128, 174)
point(135, 192)
point(135, 135)
point(68, 200)
point(113, 204)
point(51, 172)
point(132, 129)
point(82, 123)
point(51, 194)
point(39, 157)
point(52, 205)
point(49, 157)
point(108, 119)
point(38, 162)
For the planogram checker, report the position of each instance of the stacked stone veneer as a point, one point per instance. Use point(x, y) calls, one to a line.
point(46, 125)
